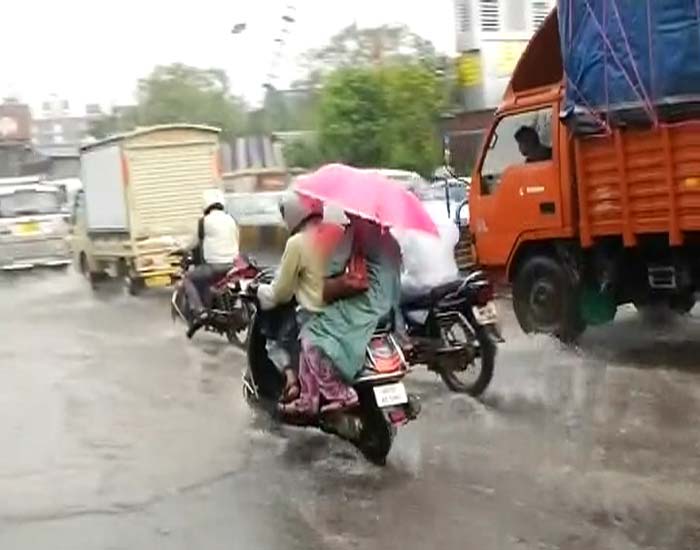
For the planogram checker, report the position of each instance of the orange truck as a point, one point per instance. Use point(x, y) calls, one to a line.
point(580, 224)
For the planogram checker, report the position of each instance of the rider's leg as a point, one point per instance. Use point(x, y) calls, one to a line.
point(195, 280)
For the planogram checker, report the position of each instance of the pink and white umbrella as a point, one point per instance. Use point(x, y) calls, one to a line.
point(368, 195)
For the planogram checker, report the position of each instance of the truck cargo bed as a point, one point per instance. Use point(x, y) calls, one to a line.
point(636, 182)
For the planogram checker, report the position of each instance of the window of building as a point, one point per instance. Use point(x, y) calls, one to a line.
point(490, 15)
point(539, 11)
point(464, 16)
point(514, 16)
point(57, 128)
point(518, 139)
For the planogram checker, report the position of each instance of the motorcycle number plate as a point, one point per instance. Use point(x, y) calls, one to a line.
point(486, 315)
point(389, 395)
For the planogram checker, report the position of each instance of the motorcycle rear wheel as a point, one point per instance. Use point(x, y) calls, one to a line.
point(476, 382)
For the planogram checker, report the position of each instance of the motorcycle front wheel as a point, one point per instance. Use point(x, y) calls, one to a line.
point(240, 334)
point(475, 376)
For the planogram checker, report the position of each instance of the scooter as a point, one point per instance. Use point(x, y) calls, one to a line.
point(454, 330)
point(384, 403)
point(229, 315)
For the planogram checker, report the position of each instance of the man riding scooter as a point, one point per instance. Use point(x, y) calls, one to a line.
point(300, 276)
point(218, 245)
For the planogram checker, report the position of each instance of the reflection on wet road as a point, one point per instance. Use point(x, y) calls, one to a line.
point(117, 433)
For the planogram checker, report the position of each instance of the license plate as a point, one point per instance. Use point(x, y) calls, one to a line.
point(29, 228)
point(157, 281)
point(486, 315)
point(390, 394)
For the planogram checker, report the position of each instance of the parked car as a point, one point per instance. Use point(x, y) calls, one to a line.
point(446, 198)
point(33, 227)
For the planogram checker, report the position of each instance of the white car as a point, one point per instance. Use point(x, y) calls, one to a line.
point(446, 198)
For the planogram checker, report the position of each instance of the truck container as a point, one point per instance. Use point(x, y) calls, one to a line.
point(586, 195)
point(141, 199)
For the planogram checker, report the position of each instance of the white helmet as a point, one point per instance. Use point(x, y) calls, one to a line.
point(210, 197)
point(296, 210)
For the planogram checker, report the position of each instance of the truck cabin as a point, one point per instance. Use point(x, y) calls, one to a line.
point(518, 169)
point(601, 209)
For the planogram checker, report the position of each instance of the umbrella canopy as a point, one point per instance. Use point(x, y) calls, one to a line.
point(367, 194)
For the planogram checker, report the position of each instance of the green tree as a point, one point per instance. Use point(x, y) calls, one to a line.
point(303, 153)
point(179, 93)
point(384, 116)
point(368, 47)
point(352, 117)
point(412, 98)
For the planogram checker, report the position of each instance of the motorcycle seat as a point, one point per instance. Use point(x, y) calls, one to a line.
point(431, 296)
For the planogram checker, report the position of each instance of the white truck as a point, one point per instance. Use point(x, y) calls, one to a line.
point(141, 198)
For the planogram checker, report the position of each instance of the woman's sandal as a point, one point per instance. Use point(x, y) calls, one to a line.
point(290, 393)
point(292, 409)
point(337, 406)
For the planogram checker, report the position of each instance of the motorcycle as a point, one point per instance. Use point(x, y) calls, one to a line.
point(384, 404)
point(453, 329)
point(229, 315)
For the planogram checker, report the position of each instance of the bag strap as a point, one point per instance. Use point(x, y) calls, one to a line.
point(200, 230)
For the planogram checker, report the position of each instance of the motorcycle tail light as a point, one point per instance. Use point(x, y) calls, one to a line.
point(484, 294)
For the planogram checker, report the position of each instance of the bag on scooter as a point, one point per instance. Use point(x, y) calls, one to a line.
point(351, 282)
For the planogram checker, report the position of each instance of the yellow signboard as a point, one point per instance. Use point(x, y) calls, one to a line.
point(509, 53)
point(469, 70)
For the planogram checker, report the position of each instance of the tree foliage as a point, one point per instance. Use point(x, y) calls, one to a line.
point(179, 93)
point(412, 98)
point(383, 116)
point(290, 110)
point(352, 117)
point(357, 47)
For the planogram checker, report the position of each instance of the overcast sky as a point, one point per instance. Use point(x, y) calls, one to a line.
point(95, 50)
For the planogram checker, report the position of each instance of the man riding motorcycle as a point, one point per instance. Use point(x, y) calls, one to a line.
point(218, 243)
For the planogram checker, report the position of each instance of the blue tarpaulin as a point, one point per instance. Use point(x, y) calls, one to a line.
point(630, 60)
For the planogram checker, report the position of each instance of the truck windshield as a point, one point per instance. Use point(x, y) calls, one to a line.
point(27, 203)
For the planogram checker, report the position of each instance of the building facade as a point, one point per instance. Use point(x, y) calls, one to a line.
point(491, 35)
point(59, 129)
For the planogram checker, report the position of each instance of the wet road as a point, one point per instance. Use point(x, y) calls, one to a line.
point(116, 433)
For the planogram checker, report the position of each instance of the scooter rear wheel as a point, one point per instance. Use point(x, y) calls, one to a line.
point(376, 437)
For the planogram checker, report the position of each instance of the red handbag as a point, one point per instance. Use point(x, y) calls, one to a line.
point(351, 282)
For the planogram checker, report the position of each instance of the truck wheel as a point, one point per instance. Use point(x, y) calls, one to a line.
point(133, 284)
point(545, 299)
point(90, 276)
